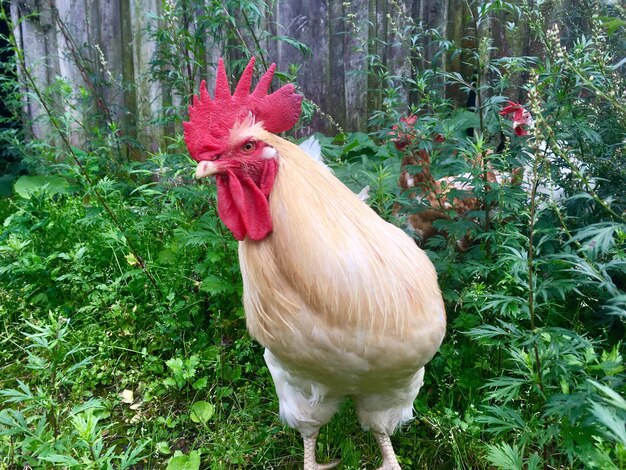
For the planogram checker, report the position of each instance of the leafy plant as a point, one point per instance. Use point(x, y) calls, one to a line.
point(41, 424)
point(132, 251)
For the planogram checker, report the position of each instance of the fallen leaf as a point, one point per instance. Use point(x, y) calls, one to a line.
point(127, 396)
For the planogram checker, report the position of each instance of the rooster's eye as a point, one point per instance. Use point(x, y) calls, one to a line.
point(248, 146)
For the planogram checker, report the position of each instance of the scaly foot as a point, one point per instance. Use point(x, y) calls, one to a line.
point(390, 461)
point(309, 456)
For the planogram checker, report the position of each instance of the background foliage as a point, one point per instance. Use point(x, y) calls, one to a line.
point(122, 339)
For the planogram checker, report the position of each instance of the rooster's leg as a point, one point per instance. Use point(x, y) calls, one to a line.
point(309, 456)
point(390, 461)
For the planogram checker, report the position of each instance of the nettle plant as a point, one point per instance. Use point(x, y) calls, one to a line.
point(39, 422)
point(565, 279)
point(536, 299)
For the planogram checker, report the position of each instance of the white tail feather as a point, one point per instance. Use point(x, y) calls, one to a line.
point(312, 148)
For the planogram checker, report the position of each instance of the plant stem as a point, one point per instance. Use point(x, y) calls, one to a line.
point(538, 158)
point(531, 252)
point(93, 452)
point(80, 63)
point(185, 50)
point(255, 39)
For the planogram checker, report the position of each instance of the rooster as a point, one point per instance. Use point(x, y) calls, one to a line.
point(345, 304)
point(522, 120)
point(560, 168)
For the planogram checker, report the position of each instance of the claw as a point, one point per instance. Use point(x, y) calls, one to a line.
point(323, 466)
point(390, 466)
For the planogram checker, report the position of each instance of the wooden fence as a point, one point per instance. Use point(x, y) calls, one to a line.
point(103, 46)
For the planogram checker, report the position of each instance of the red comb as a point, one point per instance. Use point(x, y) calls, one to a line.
point(210, 120)
point(512, 107)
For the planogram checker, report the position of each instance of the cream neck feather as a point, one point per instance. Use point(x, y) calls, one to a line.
point(332, 253)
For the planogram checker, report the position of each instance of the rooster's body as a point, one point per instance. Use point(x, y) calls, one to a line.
point(345, 303)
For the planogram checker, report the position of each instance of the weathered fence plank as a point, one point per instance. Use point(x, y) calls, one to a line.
point(104, 46)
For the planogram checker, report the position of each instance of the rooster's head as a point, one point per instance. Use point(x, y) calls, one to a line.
point(222, 136)
point(522, 119)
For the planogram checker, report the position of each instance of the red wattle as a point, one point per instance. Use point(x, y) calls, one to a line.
point(226, 208)
point(243, 204)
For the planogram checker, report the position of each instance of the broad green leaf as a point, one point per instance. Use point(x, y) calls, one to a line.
point(26, 186)
point(182, 461)
point(200, 384)
point(201, 412)
point(163, 448)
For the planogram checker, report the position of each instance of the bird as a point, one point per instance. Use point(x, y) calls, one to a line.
point(448, 196)
point(418, 184)
point(344, 303)
point(552, 186)
point(521, 118)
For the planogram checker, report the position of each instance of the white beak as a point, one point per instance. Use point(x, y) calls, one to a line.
point(205, 169)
